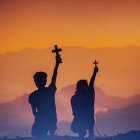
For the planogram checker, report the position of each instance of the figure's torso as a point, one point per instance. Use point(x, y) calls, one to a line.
point(44, 101)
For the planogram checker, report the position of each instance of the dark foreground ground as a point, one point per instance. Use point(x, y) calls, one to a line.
point(132, 135)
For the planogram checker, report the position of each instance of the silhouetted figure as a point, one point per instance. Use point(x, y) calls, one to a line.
point(42, 102)
point(83, 106)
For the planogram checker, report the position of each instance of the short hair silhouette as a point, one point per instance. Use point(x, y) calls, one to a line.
point(40, 79)
point(40, 75)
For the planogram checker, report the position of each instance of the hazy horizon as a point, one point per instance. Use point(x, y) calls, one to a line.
point(72, 46)
point(90, 23)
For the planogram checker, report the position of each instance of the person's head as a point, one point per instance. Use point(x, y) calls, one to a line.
point(82, 85)
point(40, 79)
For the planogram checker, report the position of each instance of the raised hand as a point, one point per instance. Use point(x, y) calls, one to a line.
point(96, 69)
point(58, 59)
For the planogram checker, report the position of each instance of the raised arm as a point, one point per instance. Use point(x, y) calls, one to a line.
point(91, 83)
point(58, 61)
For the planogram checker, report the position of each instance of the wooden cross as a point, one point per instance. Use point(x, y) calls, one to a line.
point(95, 62)
point(57, 50)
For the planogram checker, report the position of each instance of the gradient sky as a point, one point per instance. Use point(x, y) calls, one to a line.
point(84, 23)
point(88, 23)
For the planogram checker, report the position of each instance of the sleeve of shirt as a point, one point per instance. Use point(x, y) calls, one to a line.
point(30, 99)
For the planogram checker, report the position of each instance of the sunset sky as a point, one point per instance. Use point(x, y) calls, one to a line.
point(87, 23)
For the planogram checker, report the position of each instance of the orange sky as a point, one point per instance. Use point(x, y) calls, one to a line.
point(89, 23)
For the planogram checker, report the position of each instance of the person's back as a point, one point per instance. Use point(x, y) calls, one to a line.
point(83, 107)
point(79, 113)
point(44, 101)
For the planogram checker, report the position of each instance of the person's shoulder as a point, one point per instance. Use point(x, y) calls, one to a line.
point(33, 94)
point(52, 86)
point(32, 97)
point(73, 98)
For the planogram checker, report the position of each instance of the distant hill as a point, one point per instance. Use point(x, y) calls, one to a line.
point(102, 99)
point(112, 122)
point(119, 120)
point(16, 116)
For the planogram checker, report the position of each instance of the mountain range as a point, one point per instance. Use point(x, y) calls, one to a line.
point(118, 69)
